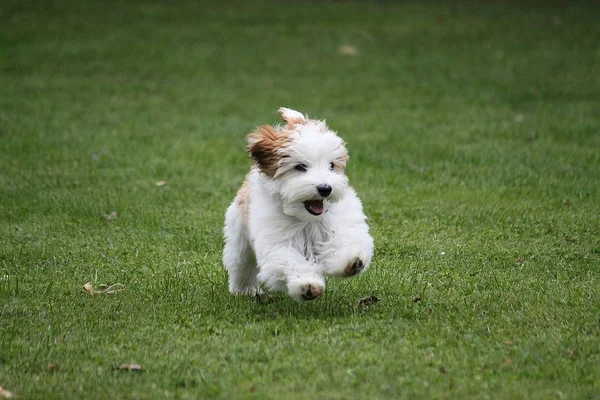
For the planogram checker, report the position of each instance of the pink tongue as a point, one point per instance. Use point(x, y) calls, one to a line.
point(316, 206)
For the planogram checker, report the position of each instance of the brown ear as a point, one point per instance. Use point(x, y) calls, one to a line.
point(264, 145)
point(291, 117)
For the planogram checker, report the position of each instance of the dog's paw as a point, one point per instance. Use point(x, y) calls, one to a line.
point(311, 292)
point(354, 267)
point(346, 263)
point(306, 288)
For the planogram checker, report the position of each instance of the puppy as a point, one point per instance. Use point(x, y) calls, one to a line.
point(295, 219)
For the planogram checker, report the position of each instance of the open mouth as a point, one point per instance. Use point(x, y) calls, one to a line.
point(315, 207)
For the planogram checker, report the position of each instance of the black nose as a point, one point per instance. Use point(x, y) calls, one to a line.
point(324, 190)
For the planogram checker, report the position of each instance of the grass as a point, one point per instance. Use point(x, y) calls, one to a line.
point(474, 132)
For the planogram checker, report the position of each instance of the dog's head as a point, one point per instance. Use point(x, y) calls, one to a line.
point(303, 163)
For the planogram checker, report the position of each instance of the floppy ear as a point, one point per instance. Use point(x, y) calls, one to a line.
point(291, 117)
point(263, 145)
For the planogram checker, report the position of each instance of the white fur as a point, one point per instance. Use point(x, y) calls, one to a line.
point(282, 245)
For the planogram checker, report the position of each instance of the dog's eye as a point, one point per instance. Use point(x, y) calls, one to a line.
point(300, 167)
point(331, 166)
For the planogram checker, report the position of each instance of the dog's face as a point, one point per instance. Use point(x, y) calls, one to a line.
point(303, 162)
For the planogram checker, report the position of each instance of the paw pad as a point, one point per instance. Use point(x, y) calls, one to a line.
point(312, 292)
point(354, 267)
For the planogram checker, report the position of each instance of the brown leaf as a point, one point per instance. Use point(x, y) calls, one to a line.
point(112, 289)
point(6, 394)
point(368, 301)
point(129, 367)
point(266, 298)
point(162, 183)
point(111, 217)
point(51, 367)
point(88, 288)
point(348, 50)
point(104, 289)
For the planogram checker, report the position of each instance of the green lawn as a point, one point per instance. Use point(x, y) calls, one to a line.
point(474, 135)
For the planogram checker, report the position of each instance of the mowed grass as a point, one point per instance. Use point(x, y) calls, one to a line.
point(474, 133)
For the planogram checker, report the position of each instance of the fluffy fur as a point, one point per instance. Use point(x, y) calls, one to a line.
point(295, 219)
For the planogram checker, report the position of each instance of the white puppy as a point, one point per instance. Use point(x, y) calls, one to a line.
point(295, 219)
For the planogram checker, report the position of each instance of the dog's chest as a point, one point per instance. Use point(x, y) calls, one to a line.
point(311, 239)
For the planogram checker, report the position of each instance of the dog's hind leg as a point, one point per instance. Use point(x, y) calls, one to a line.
point(238, 256)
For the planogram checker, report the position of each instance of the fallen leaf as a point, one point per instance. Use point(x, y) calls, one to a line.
point(520, 260)
point(129, 367)
point(367, 301)
point(162, 183)
point(88, 288)
point(112, 289)
point(111, 217)
point(348, 50)
point(104, 289)
point(572, 354)
point(265, 298)
point(51, 367)
point(6, 394)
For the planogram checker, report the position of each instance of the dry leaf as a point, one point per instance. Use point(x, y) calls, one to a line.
point(104, 289)
point(112, 289)
point(88, 288)
point(6, 394)
point(348, 50)
point(367, 301)
point(51, 367)
point(111, 217)
point(162, 183)
point(266, 298)
point(129, 367)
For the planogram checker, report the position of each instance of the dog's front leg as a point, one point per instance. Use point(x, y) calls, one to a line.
point(349, 249)
point(283, 268)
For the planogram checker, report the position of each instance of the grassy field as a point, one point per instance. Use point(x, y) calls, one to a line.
point(474, 135)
